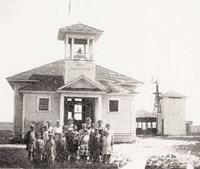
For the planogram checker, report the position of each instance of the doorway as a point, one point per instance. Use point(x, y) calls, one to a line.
point(78, 109)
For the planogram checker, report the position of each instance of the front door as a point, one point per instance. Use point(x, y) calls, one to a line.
point(78, 109)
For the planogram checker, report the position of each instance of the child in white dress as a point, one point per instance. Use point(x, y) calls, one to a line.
point(107, 147)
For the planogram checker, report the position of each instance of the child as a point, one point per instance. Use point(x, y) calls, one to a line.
point(83, 127)
point(73, 145)
point(45, 137)
point(108, 128)
point(57, 130)
point(39, 148)
point(30, 140)
point(92, 128)
point(97, 146)
point(84, 149)
point(91, 141)
point(49, 127)
point(107, 147)
point(100, 127)
point(49, 150)
point(45, 134)
point(70, 125)
point(60, 148)
point(88, 123)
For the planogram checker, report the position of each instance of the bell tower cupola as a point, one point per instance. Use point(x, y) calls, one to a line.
point(79, 40)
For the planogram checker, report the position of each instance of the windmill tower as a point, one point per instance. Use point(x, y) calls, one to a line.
point(157, 106)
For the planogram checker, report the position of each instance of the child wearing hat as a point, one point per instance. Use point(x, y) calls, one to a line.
point(30, 140)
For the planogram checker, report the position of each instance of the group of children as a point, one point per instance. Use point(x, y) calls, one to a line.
point(67, 143)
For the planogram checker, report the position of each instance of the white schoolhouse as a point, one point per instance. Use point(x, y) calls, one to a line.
point(75, 87)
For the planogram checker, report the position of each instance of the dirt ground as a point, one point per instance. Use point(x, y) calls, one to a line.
point(187, 148)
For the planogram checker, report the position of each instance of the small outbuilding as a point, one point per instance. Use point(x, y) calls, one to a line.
point(146, 122)
point(172, 120)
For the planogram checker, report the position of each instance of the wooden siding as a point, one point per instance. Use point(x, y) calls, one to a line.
point(31, 115)
point(121, 122)
point(173, 112)
point(18, 110)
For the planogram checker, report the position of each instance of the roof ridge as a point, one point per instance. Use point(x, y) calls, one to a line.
point(172, 93)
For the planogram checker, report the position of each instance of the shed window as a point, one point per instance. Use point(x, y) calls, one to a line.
point(139, 125)
point(44, 104)
point(113, 105)
point(154, 125)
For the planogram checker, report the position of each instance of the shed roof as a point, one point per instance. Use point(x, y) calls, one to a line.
point(143, 113)
point(172, 94)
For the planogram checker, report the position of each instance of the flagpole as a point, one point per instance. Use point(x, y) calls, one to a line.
point(69, 7)
point(79, 10)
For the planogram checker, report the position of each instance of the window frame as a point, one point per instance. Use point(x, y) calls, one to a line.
point(113, 99)
point(38, 103)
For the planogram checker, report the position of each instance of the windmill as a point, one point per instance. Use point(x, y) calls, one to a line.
point(157, 107)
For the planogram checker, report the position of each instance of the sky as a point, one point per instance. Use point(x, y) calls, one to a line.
point(141, 39)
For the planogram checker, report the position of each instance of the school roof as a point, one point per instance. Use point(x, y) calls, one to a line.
point(49, 77)
point(172, 94)
point(143, 113)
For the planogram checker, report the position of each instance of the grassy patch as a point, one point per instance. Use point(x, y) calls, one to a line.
point(17, 158)
point(13, 158)
point(5, 136)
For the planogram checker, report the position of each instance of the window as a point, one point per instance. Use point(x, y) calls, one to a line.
point(113, 106)
point(69, 99)
point(149, 125)
point(43, 104)
point(139, 125)
point(144, 126)
point(154, 125)
point(78, 112)
point(78, 99)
